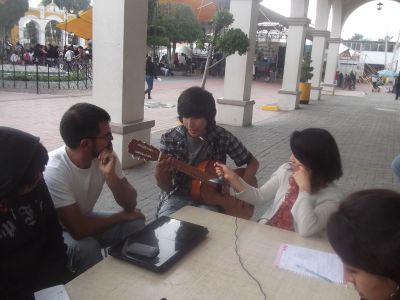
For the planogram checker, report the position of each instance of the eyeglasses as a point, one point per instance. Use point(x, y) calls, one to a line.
point(107, 136)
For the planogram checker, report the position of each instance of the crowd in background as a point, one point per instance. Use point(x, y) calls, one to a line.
point(50, 55)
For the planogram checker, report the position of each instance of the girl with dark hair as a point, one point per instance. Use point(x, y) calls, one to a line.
point(301, 194)
point(365, 233)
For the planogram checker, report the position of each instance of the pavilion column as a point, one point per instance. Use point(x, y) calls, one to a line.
point(21, 37)
point(288, 98)
point(328, 87)
point(317, 56)
point(119, 32)
point(42, 34)
point(320, 36)
point(236, 108)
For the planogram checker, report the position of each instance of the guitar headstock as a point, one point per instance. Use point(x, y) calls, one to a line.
point(143, 150)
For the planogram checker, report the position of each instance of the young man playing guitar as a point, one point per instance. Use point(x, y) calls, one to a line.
point(196, 140)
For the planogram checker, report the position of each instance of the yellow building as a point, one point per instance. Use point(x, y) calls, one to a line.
point(42, 22)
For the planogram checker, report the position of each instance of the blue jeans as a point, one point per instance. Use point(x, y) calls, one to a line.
point(149, 81)
point(174, 202)
point(86, 252)
point(396, 166)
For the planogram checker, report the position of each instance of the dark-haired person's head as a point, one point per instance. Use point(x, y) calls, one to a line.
point(82, 121)
point(196, 102)
point(22, 160)
point(365, 233)
point(317, 150)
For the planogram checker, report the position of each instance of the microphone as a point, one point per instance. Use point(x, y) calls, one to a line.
point(203, 139)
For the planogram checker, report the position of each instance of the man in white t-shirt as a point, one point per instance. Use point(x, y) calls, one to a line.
point(75, 175)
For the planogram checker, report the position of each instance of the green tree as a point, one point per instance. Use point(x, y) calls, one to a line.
point(179, 22)
point(222, 39)
point(156, 36)
point(152, 4)
point(306, 68)
point(357, 37)
point(10, 13)
point(72, 6)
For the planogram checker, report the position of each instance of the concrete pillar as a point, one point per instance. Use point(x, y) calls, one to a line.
point(288, 98)
point(42, 36)
point(328, 87)
point(118, 87)
point(236, 108)
point(320, 35)
point(317, 56)
point(298, 24)
point(21, 37)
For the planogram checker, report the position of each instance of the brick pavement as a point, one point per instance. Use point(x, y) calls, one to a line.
point(365, 127)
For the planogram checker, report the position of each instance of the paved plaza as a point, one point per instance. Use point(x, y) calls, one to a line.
point(364, 124)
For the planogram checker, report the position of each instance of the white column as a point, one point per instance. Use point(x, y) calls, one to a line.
point(21, 37)
point(119, 32)
point(320, 35)
point(289, 93)
point(42, 36)
point(317, 56)
point(288, 98)
point(236, 108)
point(328, 87)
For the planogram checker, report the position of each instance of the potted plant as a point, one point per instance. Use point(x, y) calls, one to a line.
point(305, 76)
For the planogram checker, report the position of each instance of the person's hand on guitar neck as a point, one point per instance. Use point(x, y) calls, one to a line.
point(229, 175)
point(163, 173)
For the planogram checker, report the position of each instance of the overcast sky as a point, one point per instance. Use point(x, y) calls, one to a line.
point(366, 20)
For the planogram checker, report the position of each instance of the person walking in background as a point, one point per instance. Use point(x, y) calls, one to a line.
point(397, 86)
point(150, 75)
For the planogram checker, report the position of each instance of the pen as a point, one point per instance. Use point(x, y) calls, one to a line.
point(313, 273)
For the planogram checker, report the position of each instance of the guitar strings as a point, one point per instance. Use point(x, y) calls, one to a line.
point(241, 262)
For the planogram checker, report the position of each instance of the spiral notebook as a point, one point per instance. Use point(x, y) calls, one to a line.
point(309, 262)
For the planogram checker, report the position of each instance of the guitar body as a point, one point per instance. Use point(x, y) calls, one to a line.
point(214, 194)
point(204, 187)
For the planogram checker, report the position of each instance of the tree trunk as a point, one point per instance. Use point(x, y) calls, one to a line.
point(173, 53)
point(169, 55)
point(203, 81)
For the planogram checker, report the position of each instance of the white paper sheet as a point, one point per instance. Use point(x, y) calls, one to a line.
point(323, 265)
point(57, 292)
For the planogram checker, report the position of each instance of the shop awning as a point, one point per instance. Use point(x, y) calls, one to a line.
point(80, 26)
point(204, 10)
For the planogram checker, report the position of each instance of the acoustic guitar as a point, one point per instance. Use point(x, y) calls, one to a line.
point(206, 186)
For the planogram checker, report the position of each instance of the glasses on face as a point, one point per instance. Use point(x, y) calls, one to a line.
point(107, 136)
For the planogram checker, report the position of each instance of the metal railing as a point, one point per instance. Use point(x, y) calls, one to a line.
point(50, 75)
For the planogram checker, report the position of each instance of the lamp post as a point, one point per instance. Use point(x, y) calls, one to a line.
point(379, 6)
point(65, 27)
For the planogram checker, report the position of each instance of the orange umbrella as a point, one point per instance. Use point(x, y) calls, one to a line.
point(80, 26)
point(204, 10)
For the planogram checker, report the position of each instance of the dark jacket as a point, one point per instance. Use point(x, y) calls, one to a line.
point(32, 250)
point(151, 69)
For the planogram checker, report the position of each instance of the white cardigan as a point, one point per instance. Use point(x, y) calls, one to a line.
point(310, 211)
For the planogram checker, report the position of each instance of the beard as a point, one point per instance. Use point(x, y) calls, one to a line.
point(96, 153)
